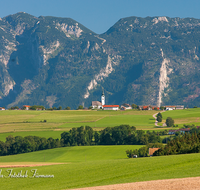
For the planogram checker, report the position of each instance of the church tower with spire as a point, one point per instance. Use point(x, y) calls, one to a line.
point(103, 99)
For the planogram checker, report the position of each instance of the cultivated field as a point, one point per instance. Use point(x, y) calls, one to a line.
point(23, 123)
point(94, 166)
point(84, 166)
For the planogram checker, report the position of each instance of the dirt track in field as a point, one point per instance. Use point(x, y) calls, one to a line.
point(12, 165)
point(192, 183)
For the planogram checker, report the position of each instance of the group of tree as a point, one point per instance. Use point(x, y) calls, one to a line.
point(159, 117)
point(18, 144)
point(119, 135)
point(36, 107)
point(143, 151)
point(169, 120)
point(78, 136)
point(188, 143)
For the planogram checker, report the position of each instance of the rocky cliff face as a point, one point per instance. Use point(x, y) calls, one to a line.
point(57, 61)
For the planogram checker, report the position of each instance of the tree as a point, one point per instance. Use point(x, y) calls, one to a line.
point(59, 108)
point(169, 122)
point(162, 107)
point(134, 106)
point(80, 107)
point(159, 114)
point(67, 108)
point(159, 119)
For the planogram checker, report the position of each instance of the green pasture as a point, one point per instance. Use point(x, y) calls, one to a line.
point(94, 166)
point(73, 154)
point(186, 116)
point(14, 121)
point(24, 123)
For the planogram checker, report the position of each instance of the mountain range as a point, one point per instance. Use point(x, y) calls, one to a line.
point(53, 61)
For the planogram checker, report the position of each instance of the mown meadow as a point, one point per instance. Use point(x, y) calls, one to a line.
point(84, 166)
point(23, 123)
point(93, 166)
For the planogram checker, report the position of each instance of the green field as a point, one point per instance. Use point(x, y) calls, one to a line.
point(96, 165)
point(91, 165)
point(23, 123)
point(186, 116)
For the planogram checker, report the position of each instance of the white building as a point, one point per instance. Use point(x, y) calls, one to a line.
point(97, 104)
point(126, 106)
point(111, 107)
point(103, 99)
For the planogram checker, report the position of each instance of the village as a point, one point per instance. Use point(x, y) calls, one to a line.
point(101, 105)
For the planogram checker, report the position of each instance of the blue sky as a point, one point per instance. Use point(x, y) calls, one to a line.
point(100, 15)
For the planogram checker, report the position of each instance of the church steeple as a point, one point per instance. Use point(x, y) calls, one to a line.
point(103, 98)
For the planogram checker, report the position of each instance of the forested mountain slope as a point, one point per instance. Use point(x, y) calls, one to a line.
point(58, 62)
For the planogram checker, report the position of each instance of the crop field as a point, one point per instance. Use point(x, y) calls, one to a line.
point(23, 123)
point(95, 165)
point(186, 116)
point(84, 166)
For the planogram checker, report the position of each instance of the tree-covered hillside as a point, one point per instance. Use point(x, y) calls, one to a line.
point(54, 61)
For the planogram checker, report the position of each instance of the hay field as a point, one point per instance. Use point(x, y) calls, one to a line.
point(96, 166)
point(23, 123)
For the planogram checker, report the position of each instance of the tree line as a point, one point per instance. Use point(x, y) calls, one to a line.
point(188, 143)
point(18, 144)
point(80, 136)
point(119, 135)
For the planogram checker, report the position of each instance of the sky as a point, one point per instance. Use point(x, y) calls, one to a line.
point(100, 15)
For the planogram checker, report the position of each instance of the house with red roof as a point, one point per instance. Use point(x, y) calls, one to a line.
point(26, 107)
point(110, 107)
point(152, 150)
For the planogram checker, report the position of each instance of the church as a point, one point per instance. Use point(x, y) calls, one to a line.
point(101, 105)
point(97, 104)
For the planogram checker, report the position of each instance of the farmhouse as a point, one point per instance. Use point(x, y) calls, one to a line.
point(146, 108)
point(176, 107)
point(1, 108)
point(126, 107)
point(172, 132)
point(152, 150)
point(179, 107)
point(184, 130)
point(111, 107)
point(96, 104)
point(26, 107)
point(149, 107)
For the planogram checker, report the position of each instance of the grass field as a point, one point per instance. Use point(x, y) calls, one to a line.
point(186, 116)
point(96, 165)
point(91, 165)
point(23, 123)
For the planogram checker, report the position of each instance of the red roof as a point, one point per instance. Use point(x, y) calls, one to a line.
point(110, 106)
point(152, 150)
point(26, 106)
point(185, 129)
